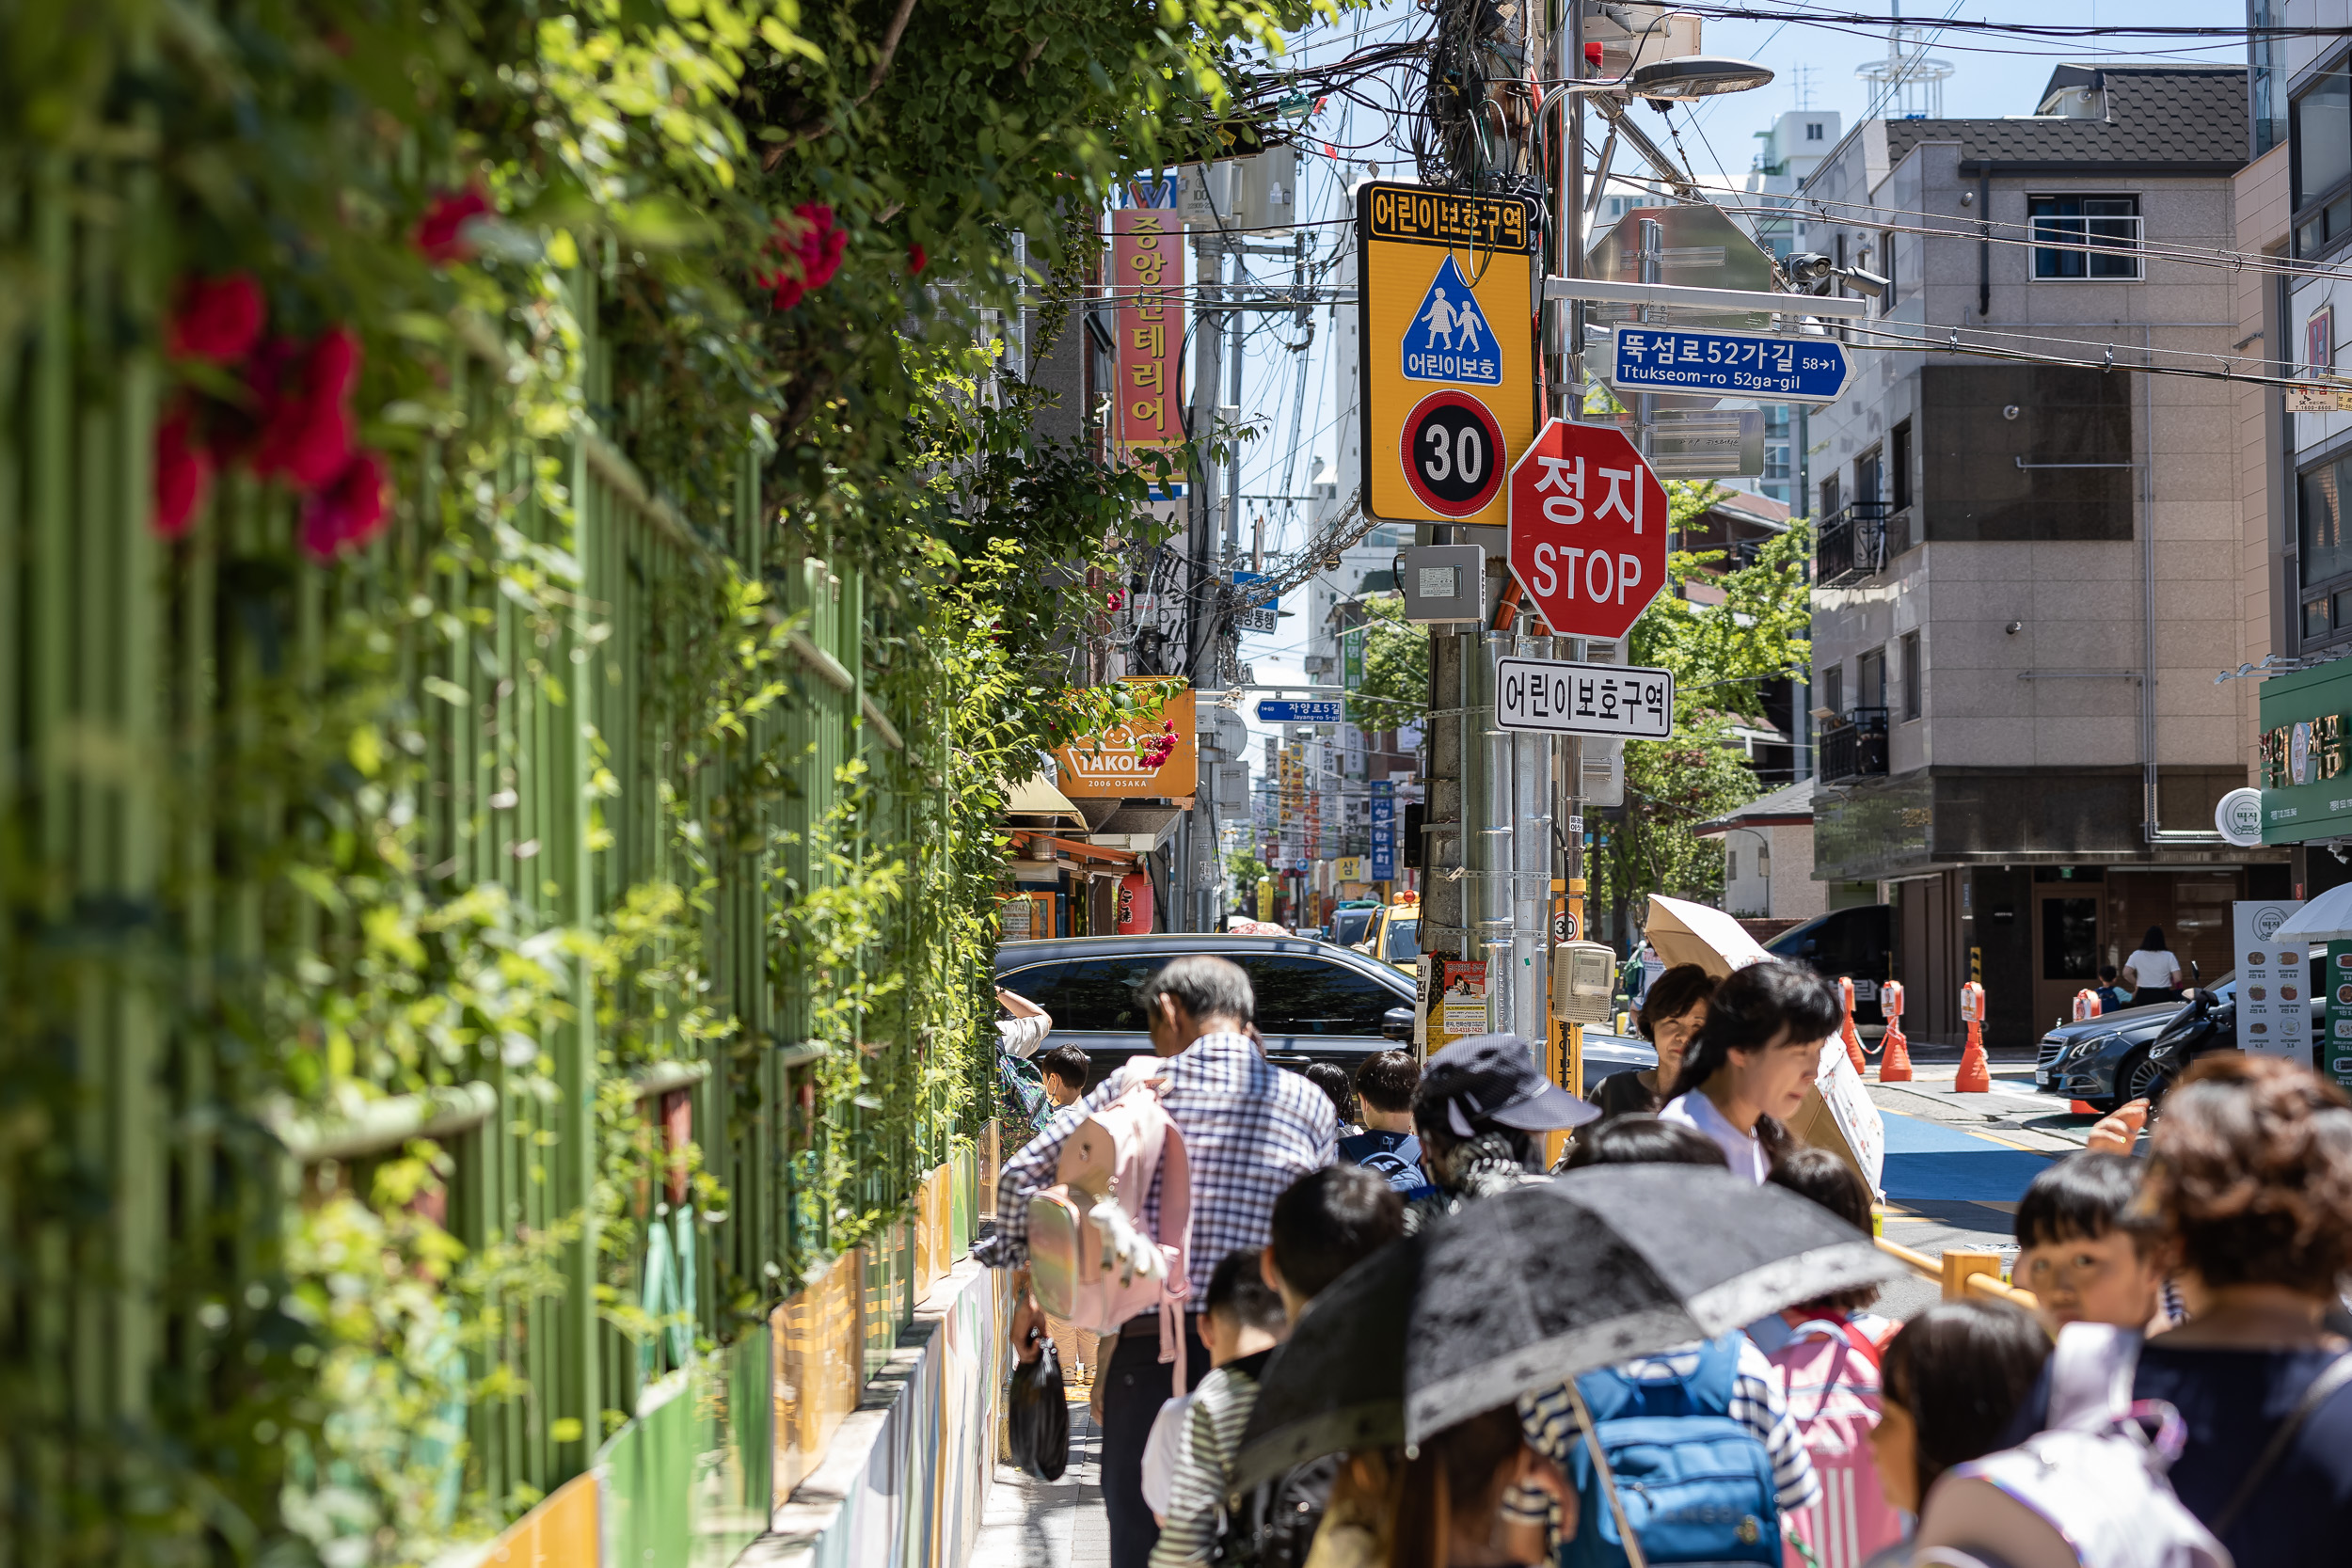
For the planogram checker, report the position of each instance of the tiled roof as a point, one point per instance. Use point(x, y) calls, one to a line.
point(2190, 115)
point(1788, 801)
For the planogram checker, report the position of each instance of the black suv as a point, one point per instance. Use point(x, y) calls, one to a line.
point(1857, 944)
point(1316, 1002)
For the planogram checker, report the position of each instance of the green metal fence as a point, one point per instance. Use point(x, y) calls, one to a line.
point(410, 893)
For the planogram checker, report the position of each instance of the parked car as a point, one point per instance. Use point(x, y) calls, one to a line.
point(1857, 944)
point(2104, 1061)
point(1316, 1002)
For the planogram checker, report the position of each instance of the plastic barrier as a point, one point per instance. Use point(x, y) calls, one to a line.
point(1976, 1072)
point(1895, 1049)
point(1846, 1030)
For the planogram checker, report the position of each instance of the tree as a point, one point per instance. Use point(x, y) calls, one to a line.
point(1395, 686)
point(1722, 656)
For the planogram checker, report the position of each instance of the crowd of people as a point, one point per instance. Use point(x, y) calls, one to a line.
point(2182, 1394)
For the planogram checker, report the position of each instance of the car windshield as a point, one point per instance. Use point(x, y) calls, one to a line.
point(1348, 925)
point(1404, 940)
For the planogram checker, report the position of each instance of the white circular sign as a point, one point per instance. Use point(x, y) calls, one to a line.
point(2239, 817)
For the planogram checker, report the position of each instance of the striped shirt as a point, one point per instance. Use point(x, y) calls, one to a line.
point(1251, 1129)
point(1756, 1403)
point(1204, 1466)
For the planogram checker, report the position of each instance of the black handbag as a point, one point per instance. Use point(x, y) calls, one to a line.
point(1039, 1415)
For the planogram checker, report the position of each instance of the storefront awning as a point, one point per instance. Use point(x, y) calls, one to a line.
point(1036, 796)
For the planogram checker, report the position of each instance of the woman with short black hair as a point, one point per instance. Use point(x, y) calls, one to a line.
point(1673, 1012)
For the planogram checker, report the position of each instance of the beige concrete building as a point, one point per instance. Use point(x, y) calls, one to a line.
point(2032, 565)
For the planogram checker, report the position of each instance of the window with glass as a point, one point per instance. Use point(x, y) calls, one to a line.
point(1900, 462)
point(2326, 553)
point(1886, 270)
point(1833, 690)
point(1913, 687)
point(2320, 163)
point(2086, 237)
point(1872, 685)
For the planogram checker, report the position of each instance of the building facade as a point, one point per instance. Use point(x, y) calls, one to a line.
point(2032, 566)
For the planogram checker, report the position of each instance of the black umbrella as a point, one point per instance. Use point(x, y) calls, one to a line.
point(1520, 1292)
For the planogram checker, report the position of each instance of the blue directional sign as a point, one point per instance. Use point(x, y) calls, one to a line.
point(1292, 712)
point(1733, 364)
point(1383, 831)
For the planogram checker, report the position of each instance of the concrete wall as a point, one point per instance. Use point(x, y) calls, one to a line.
point(2079, 602)
point(1787, 890)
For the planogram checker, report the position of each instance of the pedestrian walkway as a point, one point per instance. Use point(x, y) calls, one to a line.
point(1030, 1522)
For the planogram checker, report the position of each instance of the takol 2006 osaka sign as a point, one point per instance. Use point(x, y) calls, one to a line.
point(1112, 764)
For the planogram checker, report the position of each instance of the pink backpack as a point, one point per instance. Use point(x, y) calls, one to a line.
point(1831, 1382)
point(1090, 1261)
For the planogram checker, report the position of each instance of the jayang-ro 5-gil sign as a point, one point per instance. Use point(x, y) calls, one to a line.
point(1588, 529)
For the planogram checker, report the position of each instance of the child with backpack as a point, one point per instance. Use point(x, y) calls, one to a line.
point(1243, 1323)
point(1829, 1375)
point(1324, 1224)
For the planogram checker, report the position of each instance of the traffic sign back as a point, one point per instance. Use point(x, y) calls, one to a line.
point(1444, 291)
point(1588, 529)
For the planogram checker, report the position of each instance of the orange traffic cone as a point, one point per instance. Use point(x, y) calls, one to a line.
point(2081, 1108)
point(1852, 1036)
point(1895, 1051)
point(1976, 1072)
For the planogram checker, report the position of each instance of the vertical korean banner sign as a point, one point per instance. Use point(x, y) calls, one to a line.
point(1147, 282)
point(2339, 1016)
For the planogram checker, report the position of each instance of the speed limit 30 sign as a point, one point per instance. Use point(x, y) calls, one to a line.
point(1445, 302)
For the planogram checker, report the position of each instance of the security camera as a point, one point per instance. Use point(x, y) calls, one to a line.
point(1863, 282)
point(2336, 849)
point(1806, 268)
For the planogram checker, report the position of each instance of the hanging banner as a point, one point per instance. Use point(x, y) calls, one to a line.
point(1134, 904)
point(1147, 284)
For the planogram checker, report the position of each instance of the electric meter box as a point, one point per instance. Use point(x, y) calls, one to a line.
point(1583, 982)
point(1443, 584)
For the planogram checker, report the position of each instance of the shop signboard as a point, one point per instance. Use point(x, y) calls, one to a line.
point(2337, 1040)
point(2304, 754)
point(2273, 1012)
point(1113, 762)
point(1383, 829)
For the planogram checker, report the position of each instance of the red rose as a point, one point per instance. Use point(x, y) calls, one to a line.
point(809, 248)
point(219, 319)
point(349, 512)
point(183, 472)
point(306, 421)
point(440, 235)
point(917, 259)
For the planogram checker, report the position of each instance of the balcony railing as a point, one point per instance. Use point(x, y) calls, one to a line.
point(1854, 747)
point(1853, 545)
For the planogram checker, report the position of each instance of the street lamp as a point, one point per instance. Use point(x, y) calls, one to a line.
point(1697, 77)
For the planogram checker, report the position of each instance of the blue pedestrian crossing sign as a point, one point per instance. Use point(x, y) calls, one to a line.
point(1448, 338)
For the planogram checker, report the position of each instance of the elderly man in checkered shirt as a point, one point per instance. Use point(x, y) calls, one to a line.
point(1251, 1129)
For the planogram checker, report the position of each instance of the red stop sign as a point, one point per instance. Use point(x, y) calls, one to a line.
point(1588, 529)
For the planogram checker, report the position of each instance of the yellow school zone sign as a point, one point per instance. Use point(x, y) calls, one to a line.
point(1445, 306)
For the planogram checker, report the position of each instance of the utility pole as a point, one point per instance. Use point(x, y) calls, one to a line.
point(1191, 891)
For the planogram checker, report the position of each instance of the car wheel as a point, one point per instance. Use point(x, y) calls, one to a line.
point(2137, 1078)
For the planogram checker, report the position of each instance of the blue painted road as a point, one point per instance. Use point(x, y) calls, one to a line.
point(1931, 1160)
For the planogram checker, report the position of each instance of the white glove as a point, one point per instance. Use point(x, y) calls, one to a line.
point(1125, 1245)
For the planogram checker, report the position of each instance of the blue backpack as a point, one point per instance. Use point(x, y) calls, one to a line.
point(1696, 1485)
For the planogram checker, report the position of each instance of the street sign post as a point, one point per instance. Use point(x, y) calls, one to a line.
point(1588, 529)
point(1623, 702)
point(1300, 711)
point(1449, 374)
point(1734, 364)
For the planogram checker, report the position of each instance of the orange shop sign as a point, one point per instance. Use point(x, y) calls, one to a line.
point(1111, 764)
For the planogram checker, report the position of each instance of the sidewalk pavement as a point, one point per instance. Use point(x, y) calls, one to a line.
point(1029, 1523)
